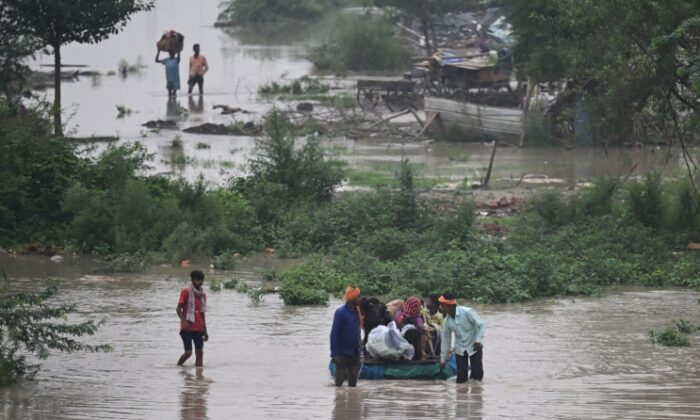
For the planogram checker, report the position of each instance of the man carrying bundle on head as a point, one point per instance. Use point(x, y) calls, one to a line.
point(345, 339)
point(468, 329)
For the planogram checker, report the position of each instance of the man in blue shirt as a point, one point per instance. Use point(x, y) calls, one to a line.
point(345, 339)
point(469, 330)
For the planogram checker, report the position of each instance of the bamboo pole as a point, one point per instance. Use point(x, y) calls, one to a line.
point(488, 173)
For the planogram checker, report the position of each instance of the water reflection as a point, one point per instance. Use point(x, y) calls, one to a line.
point(348, 404)
point(195, 107)
point(468, 400)
point(172, 109)
point(193, 399)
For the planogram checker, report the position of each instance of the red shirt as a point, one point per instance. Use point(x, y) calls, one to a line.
point(198, 316)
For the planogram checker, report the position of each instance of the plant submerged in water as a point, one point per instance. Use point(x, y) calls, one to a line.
point(676, 336)
point(26, 326)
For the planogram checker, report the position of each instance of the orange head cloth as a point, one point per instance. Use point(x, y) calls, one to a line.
point(444, 301)
point(351, 293)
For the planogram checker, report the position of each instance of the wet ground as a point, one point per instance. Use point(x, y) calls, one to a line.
point(563, 358)
point(240, 62)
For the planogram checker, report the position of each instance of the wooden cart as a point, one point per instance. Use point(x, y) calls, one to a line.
point(397, 95)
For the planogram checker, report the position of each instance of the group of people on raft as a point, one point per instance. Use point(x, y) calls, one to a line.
point(427, 325)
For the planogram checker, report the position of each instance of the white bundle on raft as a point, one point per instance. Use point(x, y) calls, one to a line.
point(386, 342)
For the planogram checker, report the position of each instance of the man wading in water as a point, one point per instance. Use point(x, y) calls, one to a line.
point(193, 326)
point(345, 339)
point(469, 334)
point(198, 67)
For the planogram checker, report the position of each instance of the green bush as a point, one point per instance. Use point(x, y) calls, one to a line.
point(283, 175)
point(230, 284)
point(671, 337)
point(36, 171)
point(225, 261)
point(303, 86)
point(597, 200)
point(453, 226)
point(361, 43)
point(251, 12)
point(388, 243)
point(552, 207)
point(645, 201)
point(308, 284)
point(684, 210)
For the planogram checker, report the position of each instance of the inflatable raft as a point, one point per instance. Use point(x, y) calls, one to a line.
point(405, 369)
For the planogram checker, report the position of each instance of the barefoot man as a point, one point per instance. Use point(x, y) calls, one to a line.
point(193, 326)
point(198, 67)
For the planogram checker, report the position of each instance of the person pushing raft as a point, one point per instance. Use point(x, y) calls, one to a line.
point(345, 339)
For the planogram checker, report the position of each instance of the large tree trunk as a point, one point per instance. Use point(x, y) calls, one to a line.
point(57, 125)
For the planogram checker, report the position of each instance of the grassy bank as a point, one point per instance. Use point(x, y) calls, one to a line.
point(388, 241)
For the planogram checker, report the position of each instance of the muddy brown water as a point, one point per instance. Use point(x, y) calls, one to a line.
point(580, 358)
point(561, 358)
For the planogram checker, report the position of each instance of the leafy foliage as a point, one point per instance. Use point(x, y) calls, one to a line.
point(251, 12)
point(635, 63)
point(36, 171)
point(307, 285)
point(282, 175)
point(27, 326)
point(360, 44)
point(15, 47)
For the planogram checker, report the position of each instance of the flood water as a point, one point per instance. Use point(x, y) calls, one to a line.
point(567, 358)
point(240, 62)
point(563, 358)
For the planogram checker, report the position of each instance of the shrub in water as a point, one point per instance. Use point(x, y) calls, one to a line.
point(225, 261)
point(230, 284)
point(245, 12)
point(361, 43)
point(215, 285)
point(671, 337)
point(308, 284)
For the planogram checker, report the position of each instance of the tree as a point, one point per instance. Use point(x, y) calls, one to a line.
point(26, 326)
point(59, 22)
point(635, 62)
point(14, 49)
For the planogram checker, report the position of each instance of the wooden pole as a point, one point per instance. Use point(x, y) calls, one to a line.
point(431, 119)
point(488, 173)
point(415, 115)
point(389, 118)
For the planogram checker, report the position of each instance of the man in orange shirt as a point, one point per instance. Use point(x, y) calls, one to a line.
point(198, 67)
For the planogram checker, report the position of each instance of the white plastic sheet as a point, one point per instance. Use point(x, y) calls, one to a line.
point(386, 342)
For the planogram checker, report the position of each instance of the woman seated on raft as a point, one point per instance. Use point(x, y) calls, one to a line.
point(410, 314)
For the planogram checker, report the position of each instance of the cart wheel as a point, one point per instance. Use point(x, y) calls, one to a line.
point(367, 99)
